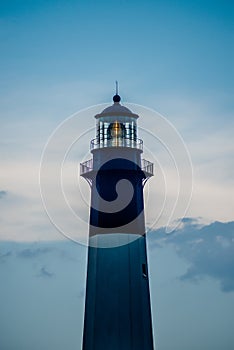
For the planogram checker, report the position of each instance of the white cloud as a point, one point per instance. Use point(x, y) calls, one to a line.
point(23, 141)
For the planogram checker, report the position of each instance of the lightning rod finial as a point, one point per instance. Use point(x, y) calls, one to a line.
point(116, 98)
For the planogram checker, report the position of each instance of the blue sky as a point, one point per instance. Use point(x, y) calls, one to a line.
point(156, 45)
point(175, 57)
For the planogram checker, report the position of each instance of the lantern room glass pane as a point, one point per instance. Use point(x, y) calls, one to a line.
point(122, 128)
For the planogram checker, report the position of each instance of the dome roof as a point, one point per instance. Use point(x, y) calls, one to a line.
point(116, 110)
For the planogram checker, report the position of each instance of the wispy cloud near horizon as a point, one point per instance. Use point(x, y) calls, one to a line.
point(208, 249)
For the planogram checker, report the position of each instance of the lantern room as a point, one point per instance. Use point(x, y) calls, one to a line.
point(116, 126)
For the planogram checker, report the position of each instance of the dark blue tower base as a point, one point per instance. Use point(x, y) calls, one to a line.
point(117, 310)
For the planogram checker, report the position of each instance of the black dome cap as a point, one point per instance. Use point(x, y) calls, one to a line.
point(116, 98)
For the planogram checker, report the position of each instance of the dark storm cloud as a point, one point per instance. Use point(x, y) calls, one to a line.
point(209, 250)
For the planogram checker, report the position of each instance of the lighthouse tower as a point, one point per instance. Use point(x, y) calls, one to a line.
point(117, 306)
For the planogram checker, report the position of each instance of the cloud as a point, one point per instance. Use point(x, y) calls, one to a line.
point(209, 250)
point(3, 256)
point(22, 215)
point(33, 252)
point(45, 273)
point(3, 194)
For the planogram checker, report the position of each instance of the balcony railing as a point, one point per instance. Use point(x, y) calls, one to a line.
point(116, 142)
point(146, 166)
point(86, 167)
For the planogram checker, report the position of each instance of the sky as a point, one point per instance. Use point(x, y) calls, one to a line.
point(175, 58)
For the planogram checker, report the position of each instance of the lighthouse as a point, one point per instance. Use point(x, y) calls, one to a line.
point(117, 304)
